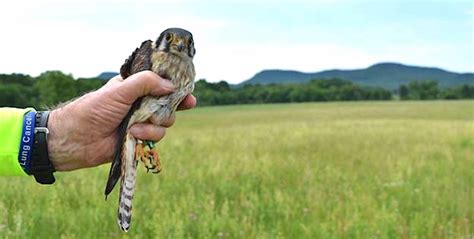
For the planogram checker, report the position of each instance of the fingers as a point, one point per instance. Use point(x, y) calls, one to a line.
point(188, 103)
point(146, 131)
point(143, 83)
point(168, 123)
point(147, 83)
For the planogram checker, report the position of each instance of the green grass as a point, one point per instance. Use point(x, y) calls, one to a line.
point(319, 170)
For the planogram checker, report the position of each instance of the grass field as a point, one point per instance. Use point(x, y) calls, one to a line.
point(316, 170)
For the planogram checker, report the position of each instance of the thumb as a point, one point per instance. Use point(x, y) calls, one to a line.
point(143, 83)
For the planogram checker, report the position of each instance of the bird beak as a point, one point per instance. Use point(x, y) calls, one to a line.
point(180, 46)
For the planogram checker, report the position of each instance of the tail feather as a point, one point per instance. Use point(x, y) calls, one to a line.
point(127, 183)
point(114, 173)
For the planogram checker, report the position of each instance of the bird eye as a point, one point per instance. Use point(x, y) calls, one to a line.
point(191, 41)
point(168, 37)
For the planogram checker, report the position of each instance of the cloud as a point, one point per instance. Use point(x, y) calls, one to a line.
point(86, 37)
point(39, 43)
point(235, 63)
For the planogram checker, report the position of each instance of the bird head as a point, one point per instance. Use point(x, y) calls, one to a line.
point(177, 41)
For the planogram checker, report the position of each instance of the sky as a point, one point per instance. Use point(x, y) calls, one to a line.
point(238, 38)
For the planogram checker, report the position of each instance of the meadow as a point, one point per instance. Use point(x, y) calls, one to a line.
point(311, 170)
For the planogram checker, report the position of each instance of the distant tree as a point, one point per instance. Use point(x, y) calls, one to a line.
point(467, 91)
point(55, 87)
point(299, 94)
point(222, 86)
point(277, 93)
point(350, 92)
point(14, 78)
point(403, 92)
point(423, 90)
point(320, 90)
point(84, 85)
point(17, 95)
point(16, 91)
point(451, 94)
point(382, 94)
point(461, 92)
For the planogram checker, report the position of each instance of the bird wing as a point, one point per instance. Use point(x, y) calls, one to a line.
point(140, 60)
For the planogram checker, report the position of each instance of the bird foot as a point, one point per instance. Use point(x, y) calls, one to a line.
point(147, 152)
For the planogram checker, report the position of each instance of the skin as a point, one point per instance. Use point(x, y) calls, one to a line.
point(83, 133)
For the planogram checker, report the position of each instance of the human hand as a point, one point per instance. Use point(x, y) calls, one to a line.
point(83, 132)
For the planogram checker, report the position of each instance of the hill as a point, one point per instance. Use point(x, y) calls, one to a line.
point(386, 75)
point(107, 75)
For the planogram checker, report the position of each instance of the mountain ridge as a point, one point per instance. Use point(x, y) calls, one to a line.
point(388, 75)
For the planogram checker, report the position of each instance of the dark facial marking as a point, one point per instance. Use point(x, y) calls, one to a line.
point(171, 33)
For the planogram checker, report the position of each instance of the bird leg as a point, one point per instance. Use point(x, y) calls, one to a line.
point(147, 152)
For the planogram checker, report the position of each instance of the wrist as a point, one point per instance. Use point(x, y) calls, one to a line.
point(61, 150)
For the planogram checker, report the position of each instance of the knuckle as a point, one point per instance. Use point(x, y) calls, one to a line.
point(148, 75)
point(143, 77)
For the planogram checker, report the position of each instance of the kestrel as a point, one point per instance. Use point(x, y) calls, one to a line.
point(171, 57)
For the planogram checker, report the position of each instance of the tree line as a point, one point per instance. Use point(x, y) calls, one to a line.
point(48, 89)
point(53, 87)
point(222, 93)
point(429, 90)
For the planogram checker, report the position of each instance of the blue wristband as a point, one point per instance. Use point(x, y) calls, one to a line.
point(26, 141)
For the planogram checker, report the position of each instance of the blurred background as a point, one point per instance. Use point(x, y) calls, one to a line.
point(350, 119)
point(367, 43)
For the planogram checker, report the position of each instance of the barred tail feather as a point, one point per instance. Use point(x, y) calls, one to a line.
point(116, 166)
point(127, 183)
